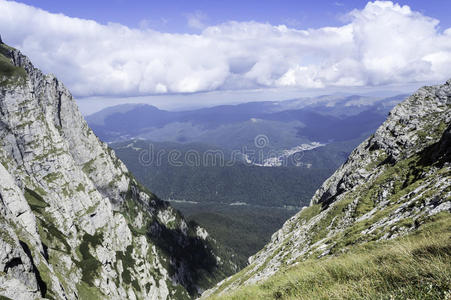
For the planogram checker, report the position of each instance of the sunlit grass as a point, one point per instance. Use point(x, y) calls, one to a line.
point(413, 267)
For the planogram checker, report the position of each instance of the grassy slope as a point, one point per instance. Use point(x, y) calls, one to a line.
point(362, 266)
point(414, 267)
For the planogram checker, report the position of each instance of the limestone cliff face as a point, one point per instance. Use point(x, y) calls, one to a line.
point(389, 186)
point(410, 127)
point(74, 223)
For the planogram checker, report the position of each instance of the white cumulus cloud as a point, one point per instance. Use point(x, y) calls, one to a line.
point(384, 43)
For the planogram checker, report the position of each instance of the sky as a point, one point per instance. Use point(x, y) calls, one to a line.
point(174, 15)
point(179, 54)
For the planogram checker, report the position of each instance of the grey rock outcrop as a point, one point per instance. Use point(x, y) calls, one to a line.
point(390, 185)
point(74, 224)
point(407, 130)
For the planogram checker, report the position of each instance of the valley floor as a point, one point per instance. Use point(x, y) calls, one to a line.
point(244, 229)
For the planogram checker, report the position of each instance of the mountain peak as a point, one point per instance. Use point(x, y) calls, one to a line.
point(74, 222)
point(410, 127)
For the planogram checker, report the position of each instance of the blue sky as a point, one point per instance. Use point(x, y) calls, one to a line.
point(179, 54)
point(172, 15)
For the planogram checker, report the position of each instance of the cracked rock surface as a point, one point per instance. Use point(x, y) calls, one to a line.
point(74, 223)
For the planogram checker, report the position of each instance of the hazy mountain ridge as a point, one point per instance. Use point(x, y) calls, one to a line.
point(287, 123)
point(395, 183)
point(74, 223)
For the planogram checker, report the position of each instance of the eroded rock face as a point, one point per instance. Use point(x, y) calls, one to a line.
point(390, 185)
point(73, 222)
point(410, 127)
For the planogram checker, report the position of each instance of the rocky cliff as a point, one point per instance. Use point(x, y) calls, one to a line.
point(74, 223)
point(391, 185)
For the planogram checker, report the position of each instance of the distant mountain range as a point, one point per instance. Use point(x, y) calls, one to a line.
point(286, 124)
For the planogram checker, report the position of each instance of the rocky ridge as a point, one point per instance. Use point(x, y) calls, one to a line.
point(391, 184)
point(74, 223)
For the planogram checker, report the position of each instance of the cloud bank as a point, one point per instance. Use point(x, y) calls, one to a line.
point(384, 43)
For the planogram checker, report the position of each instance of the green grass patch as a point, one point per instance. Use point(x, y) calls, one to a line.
point(87, 292)
point(309, 212)
point(53, 236)
point(89, 167)
point(89, 264)
point(319, 230)
point(51, 177)
point(80, 188)
point(9, 73)
point(35, 200)
point(381, 157)
point(128, 262)
point(413, 267)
